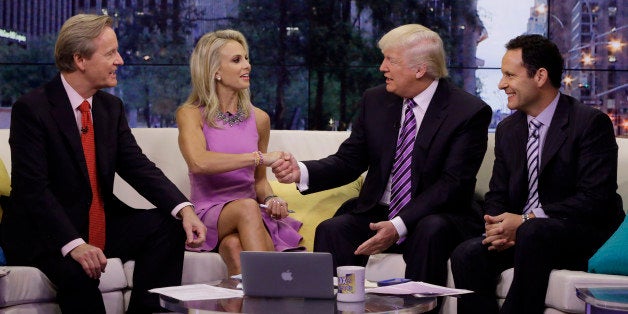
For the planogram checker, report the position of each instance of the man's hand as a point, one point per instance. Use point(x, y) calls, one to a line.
point(195, 229)
point(91, 258)
point(385, 237)
point(501, 231)
point(286, 169)
point(271, 157)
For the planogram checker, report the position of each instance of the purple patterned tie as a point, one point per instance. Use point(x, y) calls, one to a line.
point(401, 172)
point(533, 165)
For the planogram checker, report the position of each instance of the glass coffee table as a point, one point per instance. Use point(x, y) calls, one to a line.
point(374, 303)
point(604, 299)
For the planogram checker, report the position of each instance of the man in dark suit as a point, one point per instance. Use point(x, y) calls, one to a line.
point(46, 225)
point(446, 144)
point(540, 214)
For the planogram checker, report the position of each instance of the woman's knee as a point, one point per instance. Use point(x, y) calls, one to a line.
point(246, 210)
point(231, 244)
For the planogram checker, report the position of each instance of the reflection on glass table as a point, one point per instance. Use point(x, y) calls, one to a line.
point(374, 303)
point(604, 299)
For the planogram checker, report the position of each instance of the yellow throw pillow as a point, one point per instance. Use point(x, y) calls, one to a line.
point(313, 208)
point(5, 183)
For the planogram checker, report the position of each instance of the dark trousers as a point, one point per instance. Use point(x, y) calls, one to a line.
point(153, 239)
point(425, 250)
point(541, 245)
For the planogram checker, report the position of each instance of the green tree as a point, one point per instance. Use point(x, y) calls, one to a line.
point(30, 67)
point(155, 78)
point(275, 33)
point(456, 21)
point(336, 56)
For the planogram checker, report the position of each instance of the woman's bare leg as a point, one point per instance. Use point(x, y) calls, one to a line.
point(229, 249)
point(243, 217)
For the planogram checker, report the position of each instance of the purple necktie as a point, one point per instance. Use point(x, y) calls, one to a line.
point(533, 165)
point(401, 172)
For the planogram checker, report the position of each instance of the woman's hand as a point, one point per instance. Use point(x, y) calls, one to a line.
point(271, 157)
point(276, 208)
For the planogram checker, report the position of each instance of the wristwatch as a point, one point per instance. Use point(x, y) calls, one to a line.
point(525, 217)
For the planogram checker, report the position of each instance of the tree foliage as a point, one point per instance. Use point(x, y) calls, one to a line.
point(312, 59)
point(31, 65)
point(156, 78)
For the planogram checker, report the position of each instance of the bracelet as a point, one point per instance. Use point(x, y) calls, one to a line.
point(525, 217)
point(261, 157)
point(258, 158)
point(269, 197)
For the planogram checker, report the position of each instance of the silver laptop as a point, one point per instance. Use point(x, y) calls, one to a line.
point(287, 274)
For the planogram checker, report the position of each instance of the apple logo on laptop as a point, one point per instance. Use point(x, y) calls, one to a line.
point(286, 275)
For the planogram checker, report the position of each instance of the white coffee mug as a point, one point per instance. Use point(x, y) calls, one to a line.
point(351, 307)
point(350, 283)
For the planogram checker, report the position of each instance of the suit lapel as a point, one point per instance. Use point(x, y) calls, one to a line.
point(434, 117)
point(61, 112)
point(556, 135)
point(519, 141)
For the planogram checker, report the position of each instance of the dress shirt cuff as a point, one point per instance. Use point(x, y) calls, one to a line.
point(71, 246)
point(179, 207)
point(304, 182)
point(400, 226)
point(539, 212)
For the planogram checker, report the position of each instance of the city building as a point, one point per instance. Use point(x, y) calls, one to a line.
point(592, 36)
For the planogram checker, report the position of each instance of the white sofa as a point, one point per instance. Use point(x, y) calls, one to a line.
point(27, 290)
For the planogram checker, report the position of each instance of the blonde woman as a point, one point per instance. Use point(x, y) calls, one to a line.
point(224, 138)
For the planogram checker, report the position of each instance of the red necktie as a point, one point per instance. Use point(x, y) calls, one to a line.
point(97, 209)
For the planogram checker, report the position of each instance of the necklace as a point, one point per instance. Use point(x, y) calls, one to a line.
point(230, 119)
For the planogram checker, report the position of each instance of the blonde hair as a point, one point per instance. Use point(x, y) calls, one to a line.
point(422, 45)
point(204, 63)
point(77, 37)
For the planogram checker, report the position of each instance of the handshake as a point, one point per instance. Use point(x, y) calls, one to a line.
point(284, 166)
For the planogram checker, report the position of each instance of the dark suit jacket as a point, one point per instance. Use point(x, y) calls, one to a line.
point(447, 154)
point(51, 194)
point(578, 171)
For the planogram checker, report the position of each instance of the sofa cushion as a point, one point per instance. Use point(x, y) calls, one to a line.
point(203, 267)
point(198, 267)
point(312, 209)
point(612, 257)
point(114, 302)
point(561, 291)
point(5, 184)
point(503, 285)
point(113, 278)
point(47, 308)
point(30, 285)
point(385, 266)
point(25, 285)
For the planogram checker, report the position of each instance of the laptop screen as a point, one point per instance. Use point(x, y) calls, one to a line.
point(287, 274)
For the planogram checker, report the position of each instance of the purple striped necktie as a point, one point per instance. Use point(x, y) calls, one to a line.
point(532, 151)
point(401, 172)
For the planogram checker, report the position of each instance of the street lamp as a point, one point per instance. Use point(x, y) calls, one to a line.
point(542, 9)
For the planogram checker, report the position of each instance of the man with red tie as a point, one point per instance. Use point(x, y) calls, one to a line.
point(68, 139)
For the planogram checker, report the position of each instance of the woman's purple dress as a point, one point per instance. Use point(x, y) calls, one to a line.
point(210, 193)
